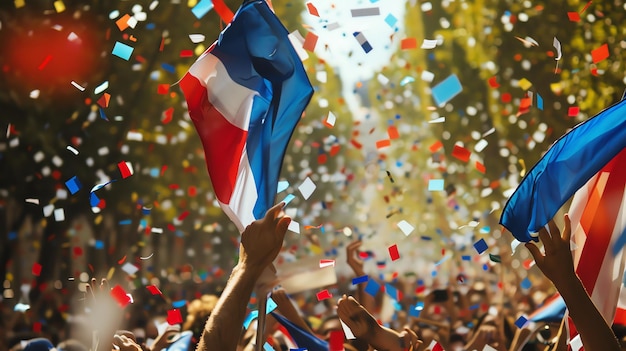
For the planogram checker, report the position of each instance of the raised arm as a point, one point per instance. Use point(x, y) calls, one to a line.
point(557, 264)
point(261, 242)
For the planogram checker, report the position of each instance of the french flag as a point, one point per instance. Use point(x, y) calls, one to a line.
point(598, 218)
point(435, 346)
point(552, 310)
point(245, 95)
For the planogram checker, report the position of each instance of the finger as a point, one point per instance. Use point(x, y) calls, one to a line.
point(567, 229)
point(281, 227)
point(273, 212)
point(534, 251)
point(546, 240)
point(554, 232)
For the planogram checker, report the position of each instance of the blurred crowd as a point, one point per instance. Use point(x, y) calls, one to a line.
point(453, 315)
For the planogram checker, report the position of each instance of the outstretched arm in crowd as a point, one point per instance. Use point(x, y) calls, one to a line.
point(557, 264)
point(357, 264)
point(261, 242)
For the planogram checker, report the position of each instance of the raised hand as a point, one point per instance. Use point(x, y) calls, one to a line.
point(352, 253)
point(557, 263)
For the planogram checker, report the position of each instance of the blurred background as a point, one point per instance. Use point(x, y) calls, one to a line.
point(103, 175)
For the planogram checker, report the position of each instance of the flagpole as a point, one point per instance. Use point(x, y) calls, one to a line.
point(260, 329)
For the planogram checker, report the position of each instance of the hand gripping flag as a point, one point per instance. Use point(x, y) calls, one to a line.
point(566, 167)
point(245, 95)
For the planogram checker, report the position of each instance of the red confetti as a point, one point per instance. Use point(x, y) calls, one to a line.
point(323, 295)
point(461, 153)
point(600, 53)
point(408, 44)
point(78, 251)
point(36, 269)
point(163, 89)
point(174, 317)
point(336, 340)
point(312, 9)
point(223, 11)
point(436, 146)
point(573, 16)
point(392, 131)
point(167, 115)
point(104, 100)
point(125, 170)
point(120, 296)
point(122, 260)
point(393, 252)
point(310, 41)
point(383, 143)
point(45, 62)
point(480, 167)
point(493, 82)
point(37, 327)
point(573, 111)
point(186, 53)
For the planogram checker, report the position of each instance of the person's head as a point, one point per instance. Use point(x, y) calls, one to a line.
point(71, 345)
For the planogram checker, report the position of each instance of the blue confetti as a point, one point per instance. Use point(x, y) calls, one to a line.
point(202, 8)
point(372, 287)
point(122, 50)
point(73, 185)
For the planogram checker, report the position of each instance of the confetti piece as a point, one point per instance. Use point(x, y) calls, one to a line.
point(576, 344)
point(323, 295)
point(33, 201)
point(461, 153)
point(327, 263)
point(573, 111)
point(163, 89)
point(249, 318)
point(330, 120)
point(427, 76)
point(493, 82)
point(310, 41)
point(288, 199)
point(406, 80)
point(36, 270)
point(297, 41)
point(19, 3)
point(282, 186)
point(196, 38)
point(437, 120)
point(600, 53)
point(122, 50)
point(359, 280)
point(335, 342)
point(383, 143)
point(391, 20)
point(312, 9)
point(154, 290)
point(45, 62)
point(120, 296)
point(495, 258)
point(202, 8)
point(59, 215)
point(429, 44)
point(435, 184)
point(557, 46)
point(525, 84)
point(130, 268)
point(372, 287)
point(73, 185)
point(405, 227)
point(223, 11)
point(174, 317)
point(104, 100)
point(347, 331)
point(306, 188)
point(294, 227)
point(408, 44)
point(126, 169)
point(122, 22)
point(446, 90)
point(526, 284)
point(371, 11)
point(393, 252)
point(363, 42)
point(481, 246)
point(77, 86)
point(488, 348)
point(436, 146)
point(521, 322)
point(573, 16)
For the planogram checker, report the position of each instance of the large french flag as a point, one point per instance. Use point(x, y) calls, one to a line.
point(245, 95)
point(598, 217)
point(569, 163)
point(551, 311)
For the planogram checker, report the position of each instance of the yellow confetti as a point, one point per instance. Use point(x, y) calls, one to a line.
point(59, 6)
point(556, 88)
point(191, 3)
point(199, 50)
point(523, 171)
point(525, 84)
point(110, 273)
point(19, 3)
point(98, 220)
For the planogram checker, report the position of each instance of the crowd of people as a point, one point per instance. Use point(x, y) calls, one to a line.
point(448, 318)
